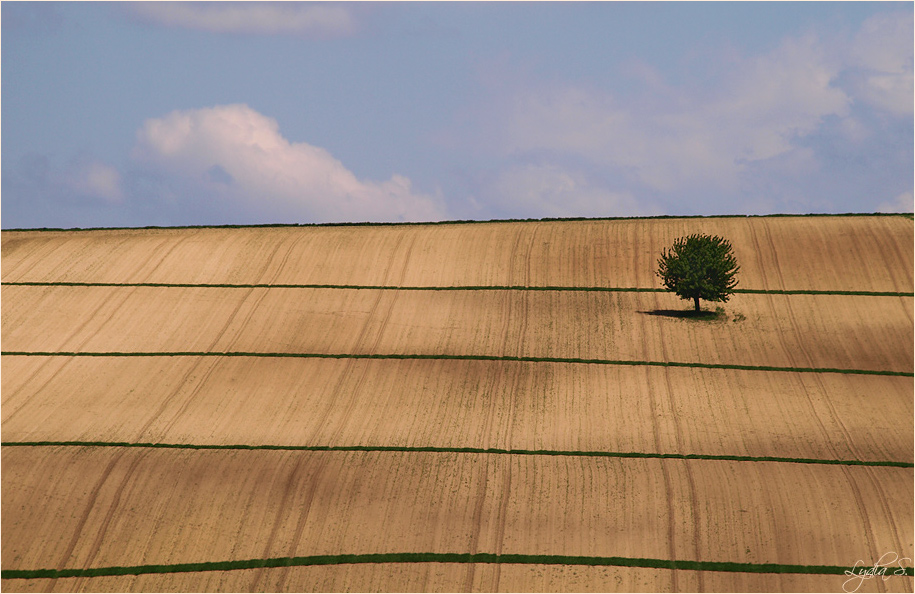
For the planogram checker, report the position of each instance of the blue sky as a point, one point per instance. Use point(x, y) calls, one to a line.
point(229, 113)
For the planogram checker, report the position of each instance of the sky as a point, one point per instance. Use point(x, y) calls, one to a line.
point(171, 113)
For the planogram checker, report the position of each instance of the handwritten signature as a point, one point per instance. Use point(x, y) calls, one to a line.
point(860, 572)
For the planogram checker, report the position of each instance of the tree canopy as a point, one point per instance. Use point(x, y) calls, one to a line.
point(699, 266)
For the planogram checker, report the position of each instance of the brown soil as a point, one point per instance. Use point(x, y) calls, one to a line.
point(822, 253)
point(91, 506)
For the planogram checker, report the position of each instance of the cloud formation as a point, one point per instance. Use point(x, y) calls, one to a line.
point(551, 190)
point(882, 53)
point(84, 191)
point(260, 18)
point(779, 115)
point(757, 114)
point(904, 202)
point(98, 180)
point(235, 158)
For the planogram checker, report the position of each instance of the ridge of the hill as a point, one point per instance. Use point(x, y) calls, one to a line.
point(468, 221)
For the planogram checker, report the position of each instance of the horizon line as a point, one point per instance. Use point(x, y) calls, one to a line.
point(465, 221)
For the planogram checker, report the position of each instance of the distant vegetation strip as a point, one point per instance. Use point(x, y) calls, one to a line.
point(474, 222)
point(447, 288)
point(455, 450)
point(459, 358)
point(508, 559)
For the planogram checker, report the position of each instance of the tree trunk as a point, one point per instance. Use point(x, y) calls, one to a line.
point(697, 303)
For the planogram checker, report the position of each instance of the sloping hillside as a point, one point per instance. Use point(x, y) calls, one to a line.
point(506, 406)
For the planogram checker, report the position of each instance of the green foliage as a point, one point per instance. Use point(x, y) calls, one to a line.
point(698, 267)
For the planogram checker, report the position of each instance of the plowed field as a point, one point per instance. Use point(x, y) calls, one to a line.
point(484, 404)
point(826, 331)
point(793, 253)
point(456, 407)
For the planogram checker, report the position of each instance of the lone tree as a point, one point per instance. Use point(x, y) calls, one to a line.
point(698, 267)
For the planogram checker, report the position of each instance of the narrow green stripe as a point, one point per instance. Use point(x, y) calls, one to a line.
point(462, 358)
point(469, 222)
point(437, 558)
point(334, 286)
point(454, 450)
point(817, 292)
point(446, 288)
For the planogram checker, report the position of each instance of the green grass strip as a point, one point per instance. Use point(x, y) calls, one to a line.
point(475, 222)
point(463, 358)
point(455, 450)
point(818, 292)
point(448, 288)
point(441, 558)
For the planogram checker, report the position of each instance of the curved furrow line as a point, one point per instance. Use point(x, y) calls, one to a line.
point(868, 527)
point(476, 525)
point(35, 393)
point(773, 525)
point(671, 523)
point(87, 510)
point(276, 525)
point(672, 511)
point(312, 482)
point(347, 372)
point(386, 315)
point(188, 401)
point(891, 261)
point(792, 318)
point(898, 543)
point(252, 308)
point(36, 255)
point(166, 402)
point(162, 257)
point(112, 509)
point(279, 268)
point(501, 522)
point(229, 320)
point(90, 319)
point(760, 262)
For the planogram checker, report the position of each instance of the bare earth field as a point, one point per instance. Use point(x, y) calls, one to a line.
point(819, 253)
point(185, 506)
point(547, 440)
point(455, 404)
point(831, 331)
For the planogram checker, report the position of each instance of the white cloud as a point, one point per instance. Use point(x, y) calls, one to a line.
point(548, 190)
point(757, 114)
point(266, 18)
point(904, 202)
point(882, 52)
point(236, 156)
point(780, 96)
point(98, 180)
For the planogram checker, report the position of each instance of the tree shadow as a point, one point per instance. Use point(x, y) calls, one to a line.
point(688, 314)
